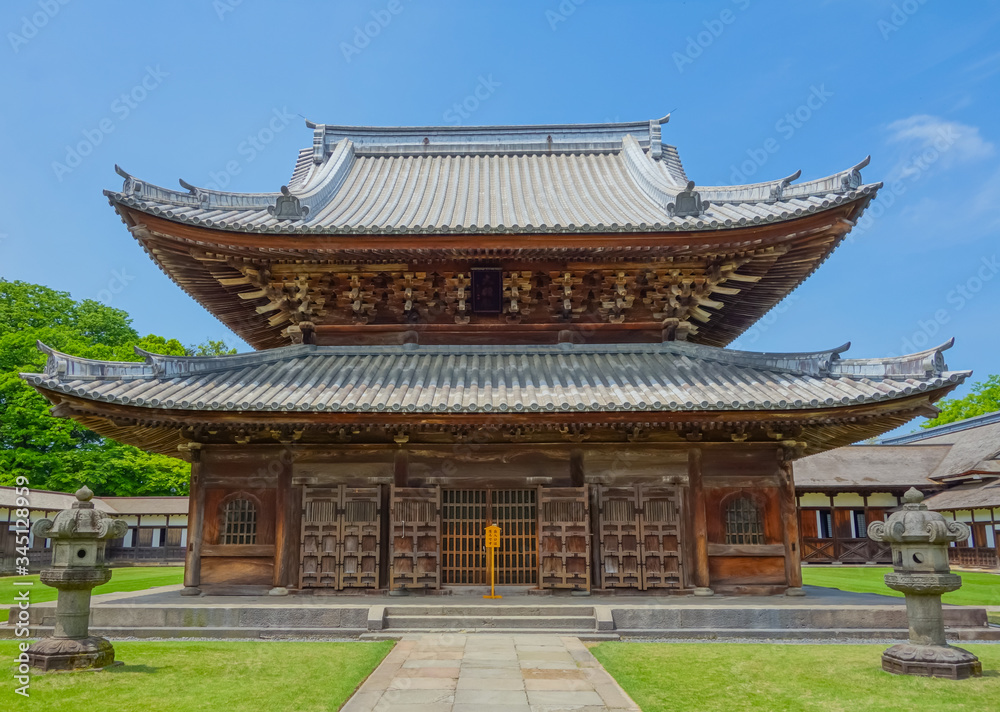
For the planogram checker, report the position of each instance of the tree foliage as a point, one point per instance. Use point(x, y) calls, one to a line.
point(984, 398)
point(58, 454)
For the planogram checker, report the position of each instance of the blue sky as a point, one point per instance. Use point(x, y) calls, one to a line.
point(214, 92)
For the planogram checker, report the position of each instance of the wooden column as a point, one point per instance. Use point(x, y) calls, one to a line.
point(286, 527)
point(699, 523)
point(401, 467)
point(790, 527)
point(196, 525)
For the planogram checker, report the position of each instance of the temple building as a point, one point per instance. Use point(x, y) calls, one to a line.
point(956, 466)
point(512, 325)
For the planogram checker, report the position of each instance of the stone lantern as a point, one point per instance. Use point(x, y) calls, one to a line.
point(920, 540)
point(78, 535)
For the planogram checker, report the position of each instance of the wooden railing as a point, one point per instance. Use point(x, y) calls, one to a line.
point(984, 557)
point(848, 551)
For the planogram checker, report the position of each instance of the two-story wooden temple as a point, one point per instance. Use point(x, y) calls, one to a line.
point(520, 325)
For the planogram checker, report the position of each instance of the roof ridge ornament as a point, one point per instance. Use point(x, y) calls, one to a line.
point(287, 206)
point(132, 185)
point(203, 196)
point(778, 189)
point(688, 203)
point(851, 178)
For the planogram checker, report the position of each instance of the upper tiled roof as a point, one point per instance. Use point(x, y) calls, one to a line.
point(499, 179)
point(673, 376)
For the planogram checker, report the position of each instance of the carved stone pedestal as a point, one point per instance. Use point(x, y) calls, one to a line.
point(87, 653)
point(931, 661)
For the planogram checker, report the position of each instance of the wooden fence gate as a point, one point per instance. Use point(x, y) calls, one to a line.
point(340, 537)
point(640, 537)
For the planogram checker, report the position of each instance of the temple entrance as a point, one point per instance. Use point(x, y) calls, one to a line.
point(464, 516)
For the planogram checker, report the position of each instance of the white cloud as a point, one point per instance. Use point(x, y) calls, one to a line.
point(927, 141)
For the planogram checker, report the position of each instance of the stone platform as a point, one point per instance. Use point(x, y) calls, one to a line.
point(822, 613)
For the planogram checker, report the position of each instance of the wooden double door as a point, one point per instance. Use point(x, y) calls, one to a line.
point(465, 514)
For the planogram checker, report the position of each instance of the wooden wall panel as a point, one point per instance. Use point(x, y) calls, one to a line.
point(727, 571)
point(237, 571)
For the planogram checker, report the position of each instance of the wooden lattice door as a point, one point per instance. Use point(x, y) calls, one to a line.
point(564, 537)
point(465, 514)
point(320, 538)
point(618, 518)
point(360, 523)
point(416, 537)
point(463, 519)
point(660, 537)
point(340, 537)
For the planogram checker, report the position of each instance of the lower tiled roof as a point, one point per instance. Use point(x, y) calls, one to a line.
point(673, 376)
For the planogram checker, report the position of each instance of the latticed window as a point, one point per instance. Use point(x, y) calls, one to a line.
point(240, 522)
point(743, 522)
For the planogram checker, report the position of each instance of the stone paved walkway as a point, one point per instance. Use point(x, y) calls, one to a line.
point(485, 673)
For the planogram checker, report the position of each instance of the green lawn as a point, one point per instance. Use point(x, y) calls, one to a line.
point(136, 578)
point(799, 678)
point(978, 589)
point(184, 676)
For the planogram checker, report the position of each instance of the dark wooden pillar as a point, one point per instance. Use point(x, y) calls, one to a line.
point(401, 467)
point(287, 512)
point(196, 524)
point(699, 523)
point(790, 526)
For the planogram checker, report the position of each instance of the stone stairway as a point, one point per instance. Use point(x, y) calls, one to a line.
point(587, 621)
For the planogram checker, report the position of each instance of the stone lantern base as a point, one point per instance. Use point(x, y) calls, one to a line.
point(71, 654)
point(931, 661)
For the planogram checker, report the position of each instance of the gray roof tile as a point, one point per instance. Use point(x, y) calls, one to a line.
point(673, 376)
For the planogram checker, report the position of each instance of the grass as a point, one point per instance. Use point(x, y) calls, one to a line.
point(827, 678)
point(182, 676)
point(978, 589)
point(136, 578)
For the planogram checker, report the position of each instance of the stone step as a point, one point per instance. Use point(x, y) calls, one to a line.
point(145, 632)
point(582, 635)
point(447, 622)
point(496, 610)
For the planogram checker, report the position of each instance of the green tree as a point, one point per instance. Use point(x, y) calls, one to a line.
point(211, 348)
point(984, 398)
point(56, 453)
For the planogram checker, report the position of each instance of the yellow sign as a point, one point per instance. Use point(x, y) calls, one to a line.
point(492, 544)
point(493, 537)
